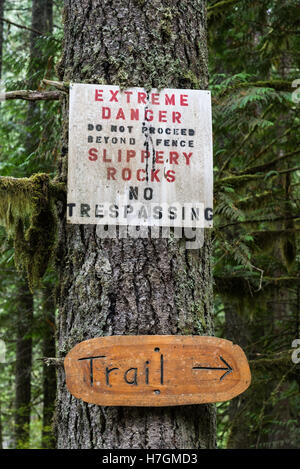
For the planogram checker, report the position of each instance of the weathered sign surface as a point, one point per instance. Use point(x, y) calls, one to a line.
point(140, 158)
point(156, 370)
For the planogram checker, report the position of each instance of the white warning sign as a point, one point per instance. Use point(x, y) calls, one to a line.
point(140, 158)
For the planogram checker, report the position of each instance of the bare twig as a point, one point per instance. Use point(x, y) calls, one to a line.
point(21, 26)
point(52, 361)
point(60, 85)
point(259, 220)
point(29, 95)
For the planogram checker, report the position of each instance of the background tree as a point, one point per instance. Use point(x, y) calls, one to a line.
point(256, 125)
point(1, 33)
point(30, 128)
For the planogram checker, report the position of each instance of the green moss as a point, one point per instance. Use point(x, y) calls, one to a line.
point(27, 211)
point(192, 79)
point(140, 3)
point(165, 25)
point(279, 366)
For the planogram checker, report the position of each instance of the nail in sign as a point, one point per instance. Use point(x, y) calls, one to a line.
point(156, 370)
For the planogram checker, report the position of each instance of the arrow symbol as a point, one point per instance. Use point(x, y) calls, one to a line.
point(228, 368)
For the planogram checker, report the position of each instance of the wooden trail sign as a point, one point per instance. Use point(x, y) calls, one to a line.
point(156, 370)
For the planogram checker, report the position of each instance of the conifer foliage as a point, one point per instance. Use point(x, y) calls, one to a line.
point(254, 66)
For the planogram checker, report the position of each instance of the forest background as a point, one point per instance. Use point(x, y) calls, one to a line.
point(254, 64)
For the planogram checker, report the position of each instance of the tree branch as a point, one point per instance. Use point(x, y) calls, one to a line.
point(60, 85)
point(240, 179)
point(245, 139)
point(52, 361)
point(258, 220)
point(219, 7)
point(278, 85)
point(263, 167)
point(29, 95)
point(21, 26)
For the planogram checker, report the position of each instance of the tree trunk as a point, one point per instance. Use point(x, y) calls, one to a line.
point(41, 21)
point(1, 444)
point(1, 33)
point(143, 286)
point(238, 330)
point(24, 305)
point(1, 52)
point(49, 372)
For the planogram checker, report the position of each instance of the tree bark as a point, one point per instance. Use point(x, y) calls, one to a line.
point(24, 305)
point(143, 286)
point(1, 52)
point(1, 443)
point(49, 372)
point(42, 20)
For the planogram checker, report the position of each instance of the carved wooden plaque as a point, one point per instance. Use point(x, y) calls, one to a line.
point(156, 370)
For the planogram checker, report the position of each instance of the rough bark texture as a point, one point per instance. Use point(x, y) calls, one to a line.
point(24, 305)
point(144, 286)
point(1, 50)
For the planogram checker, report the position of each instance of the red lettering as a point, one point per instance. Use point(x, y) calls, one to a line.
point(104, 157)
point(126, 174)
point(145, 154)
point(128, 94)
point(187, 158)
point(134, 114)
point(120, 114)
point(154, 175)
point(162, 116)
point(98, 95)
point(111, 172)
point(114, 96)
point(139, 178)
point(130, 154)
point(147, 117)
point(183, 100)
point(159, 157)
point(174, 157)
point(170, 175)
point(155, 98)
point(176, 117)
point(106, 113)
point(170, 99)
point(93, 152)
point(142, 97)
